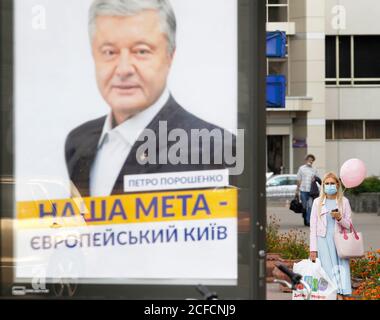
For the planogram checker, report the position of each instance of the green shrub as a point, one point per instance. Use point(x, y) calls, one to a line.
point(371, 184)
point(293, 245)
point(272, 235)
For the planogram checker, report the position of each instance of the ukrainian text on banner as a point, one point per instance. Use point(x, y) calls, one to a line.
point(185, 236)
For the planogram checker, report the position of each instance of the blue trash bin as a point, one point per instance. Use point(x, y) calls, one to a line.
point(276, 44)
point(276, 91)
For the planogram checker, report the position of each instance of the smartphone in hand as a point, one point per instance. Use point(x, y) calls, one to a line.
point(333, 212)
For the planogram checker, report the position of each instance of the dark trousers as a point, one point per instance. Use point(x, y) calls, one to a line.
point(307, 202)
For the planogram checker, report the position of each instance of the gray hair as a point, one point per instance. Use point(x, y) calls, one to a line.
point(121, 8)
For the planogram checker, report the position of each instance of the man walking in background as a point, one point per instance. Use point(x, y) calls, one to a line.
point(305, 176)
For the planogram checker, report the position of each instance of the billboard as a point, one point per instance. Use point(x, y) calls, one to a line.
point(126, 141)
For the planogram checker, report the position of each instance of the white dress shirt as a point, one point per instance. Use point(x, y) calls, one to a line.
point(305, 174)
point(114, 147)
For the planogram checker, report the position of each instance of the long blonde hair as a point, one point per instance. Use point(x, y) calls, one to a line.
point(339, 195)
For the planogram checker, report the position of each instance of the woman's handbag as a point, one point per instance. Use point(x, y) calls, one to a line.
point(349, 245)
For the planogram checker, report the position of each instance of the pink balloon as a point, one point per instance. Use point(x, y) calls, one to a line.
point(353, 173)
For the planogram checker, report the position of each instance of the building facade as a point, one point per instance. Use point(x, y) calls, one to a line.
point(333, 84)
point(299, 128)
point(353, 83)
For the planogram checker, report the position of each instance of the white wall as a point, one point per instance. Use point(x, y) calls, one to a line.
point(362, 17)
point(337, 152)
point(353, 103)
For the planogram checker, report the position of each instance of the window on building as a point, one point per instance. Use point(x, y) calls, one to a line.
point(277, 11)
point(372, 129)
point(348, 129)
point(366, 54)
point(329, 130)
point(345, 57)
point(357, 60)
point(330, 57)
point(352, 129)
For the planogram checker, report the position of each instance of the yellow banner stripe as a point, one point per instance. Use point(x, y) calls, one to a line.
point(129, 208)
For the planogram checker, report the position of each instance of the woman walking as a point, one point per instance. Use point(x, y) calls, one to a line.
point(331, 212)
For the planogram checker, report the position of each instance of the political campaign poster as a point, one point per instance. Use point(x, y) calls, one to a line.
point(126, 141)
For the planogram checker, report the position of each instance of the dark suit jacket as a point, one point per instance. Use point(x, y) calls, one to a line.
point(81, 147)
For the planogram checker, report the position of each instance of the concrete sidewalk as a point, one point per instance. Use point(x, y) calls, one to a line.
point(274, 292)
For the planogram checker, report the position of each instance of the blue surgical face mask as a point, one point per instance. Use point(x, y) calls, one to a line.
point(330, 189)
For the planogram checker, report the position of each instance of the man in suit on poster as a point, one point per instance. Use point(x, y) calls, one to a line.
point(133, 45)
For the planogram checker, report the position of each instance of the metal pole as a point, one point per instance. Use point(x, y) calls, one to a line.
point(6, 105)
point(256, 135)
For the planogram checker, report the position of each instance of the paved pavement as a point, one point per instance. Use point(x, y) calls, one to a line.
point(274, 293)
point(367, 223)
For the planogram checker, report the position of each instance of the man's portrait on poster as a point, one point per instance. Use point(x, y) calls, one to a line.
point(133, 44)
